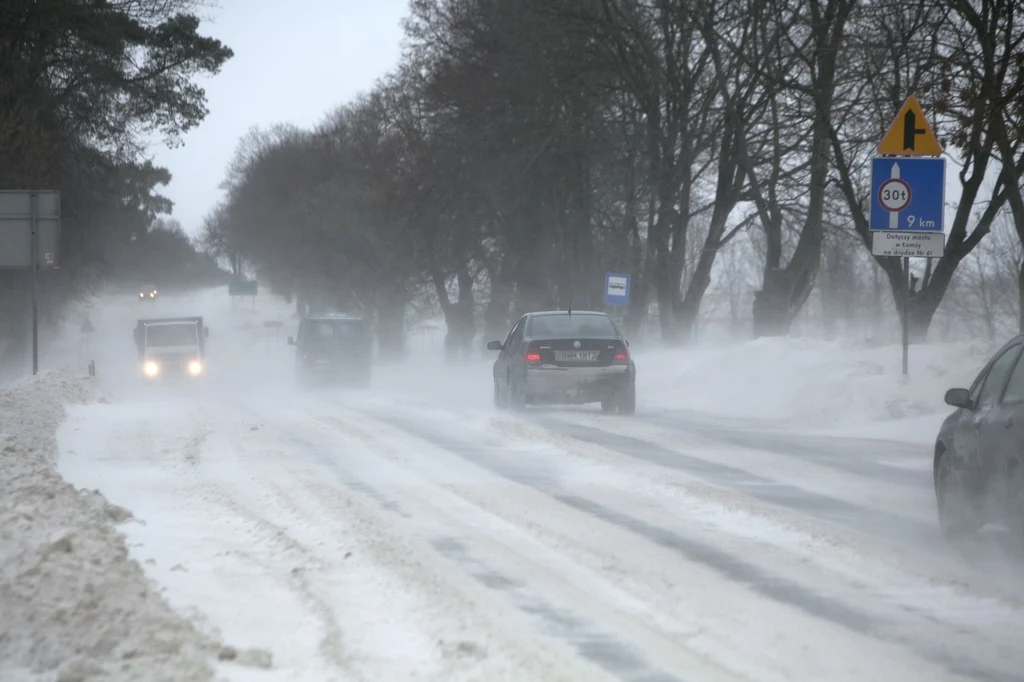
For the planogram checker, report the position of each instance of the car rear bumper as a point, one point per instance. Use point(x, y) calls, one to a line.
point(336, 370)
point(574, 384)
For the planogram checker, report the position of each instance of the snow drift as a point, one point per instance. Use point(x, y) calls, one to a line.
point(74, 606)
point(801, 383)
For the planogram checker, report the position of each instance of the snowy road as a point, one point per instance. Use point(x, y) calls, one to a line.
point(399, 534)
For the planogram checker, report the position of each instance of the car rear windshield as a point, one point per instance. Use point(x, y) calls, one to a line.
point(560, 326)
point(334, 331)
point(171, 335)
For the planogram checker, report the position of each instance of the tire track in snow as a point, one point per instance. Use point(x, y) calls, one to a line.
point(616, 658)
point(608, 652)
point(394, 553)
point(733, 568)
point(476, 638)
point(330, 645)
point(983, 562)
point(439, 605)
point(782, 494)
point(808, 448)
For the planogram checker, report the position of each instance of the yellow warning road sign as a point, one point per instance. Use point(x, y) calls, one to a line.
point(910, 134)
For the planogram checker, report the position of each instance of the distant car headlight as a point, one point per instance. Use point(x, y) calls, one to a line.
point(142, 295)
point(152, 294)
point(151, 369)
point(195, 368)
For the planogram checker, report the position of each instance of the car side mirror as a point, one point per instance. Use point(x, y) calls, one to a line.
point(495, 345)
point(291, 340)
point(627, 342)
point(959, 397)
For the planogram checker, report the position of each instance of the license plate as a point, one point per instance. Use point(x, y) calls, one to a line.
point(576, 355)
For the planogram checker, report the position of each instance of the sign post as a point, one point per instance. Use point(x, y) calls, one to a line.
point(908, 181)
point(243, 287)
point(29, 238)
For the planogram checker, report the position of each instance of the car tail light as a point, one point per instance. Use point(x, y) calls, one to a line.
point(621, 356)
point(532, 356)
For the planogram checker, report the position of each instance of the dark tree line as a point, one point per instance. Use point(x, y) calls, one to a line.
point(82, 85)
point(523, 149)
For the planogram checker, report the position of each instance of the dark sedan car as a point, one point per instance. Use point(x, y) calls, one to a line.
point(565, 358)
point(980, 449)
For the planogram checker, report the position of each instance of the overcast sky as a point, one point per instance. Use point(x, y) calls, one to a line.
point(294, 61)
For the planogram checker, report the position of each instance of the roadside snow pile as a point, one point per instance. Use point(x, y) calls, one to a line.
point(810, 384)
point(74, 607)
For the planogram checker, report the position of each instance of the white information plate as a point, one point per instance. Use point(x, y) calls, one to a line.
point(901, 244)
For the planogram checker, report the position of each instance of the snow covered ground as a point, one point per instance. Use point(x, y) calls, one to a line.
point(74, 605)
point(825, 387)
point(767, 515)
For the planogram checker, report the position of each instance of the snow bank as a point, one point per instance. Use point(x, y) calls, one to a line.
point(808, 384)
point(73, 605)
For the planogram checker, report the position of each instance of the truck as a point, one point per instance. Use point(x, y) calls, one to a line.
point(172, 346)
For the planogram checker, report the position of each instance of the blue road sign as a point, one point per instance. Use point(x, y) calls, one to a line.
point(616, 289)
point(907, 194)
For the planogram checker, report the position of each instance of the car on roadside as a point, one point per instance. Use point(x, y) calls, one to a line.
point(333, 349)
point(147, 292)
point(978, 467)
point(564, 358)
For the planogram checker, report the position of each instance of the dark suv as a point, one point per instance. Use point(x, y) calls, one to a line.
point(560, 357)
point(333, 348)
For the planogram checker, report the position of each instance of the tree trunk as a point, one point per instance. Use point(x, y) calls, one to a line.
point(1020, 296)
point(923, 303)
point(727, 194)
point(391, 325)
point(771, 305)
point(664, 285)
point(458, 316)
point(783, 295)
point(496, 323)
point(640, 285)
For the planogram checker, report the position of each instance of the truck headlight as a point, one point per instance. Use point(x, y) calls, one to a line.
point(195, 368)
point(151, 369)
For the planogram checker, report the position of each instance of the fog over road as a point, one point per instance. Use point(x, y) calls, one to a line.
point(413, 531)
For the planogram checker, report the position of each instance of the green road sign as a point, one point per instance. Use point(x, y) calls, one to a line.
point(242, 288)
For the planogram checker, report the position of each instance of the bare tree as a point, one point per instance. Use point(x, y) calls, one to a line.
point(928, 50)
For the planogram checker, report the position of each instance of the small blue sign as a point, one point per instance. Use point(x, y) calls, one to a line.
point(907, 194)
point(616, 289)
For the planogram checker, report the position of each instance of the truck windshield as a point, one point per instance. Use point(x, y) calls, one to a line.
point(171, 335)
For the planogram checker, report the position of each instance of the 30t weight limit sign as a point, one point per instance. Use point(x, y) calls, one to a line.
point(894, 196)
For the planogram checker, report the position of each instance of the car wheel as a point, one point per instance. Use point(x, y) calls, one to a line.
point(627, 399)
point(499, 397)
point(957, 515)
point(608, 404)
point(516, 396)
